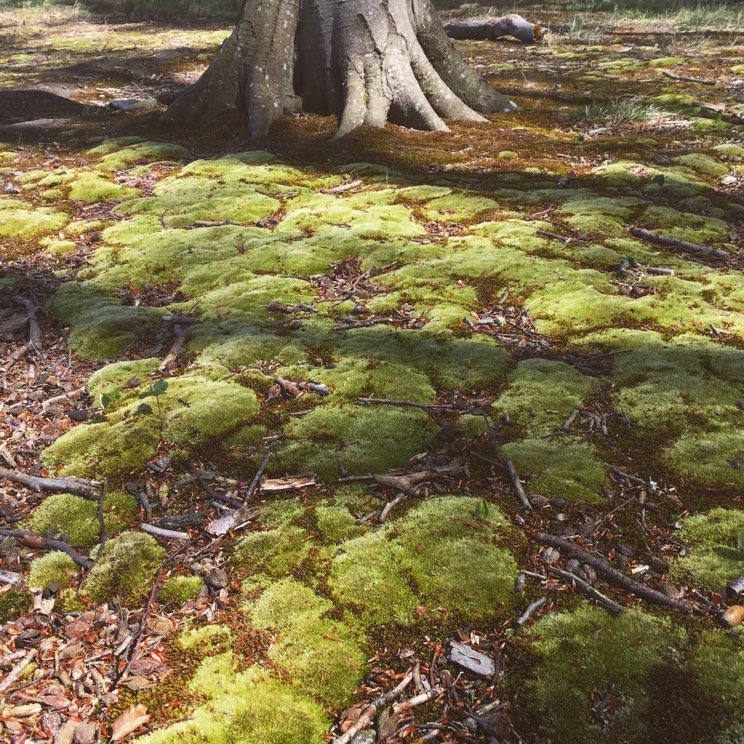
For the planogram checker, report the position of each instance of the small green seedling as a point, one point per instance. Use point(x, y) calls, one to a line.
point(481, 510)
point(158, 388)
point(110, 398)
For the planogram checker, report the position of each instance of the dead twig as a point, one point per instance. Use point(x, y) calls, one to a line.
point(612, 574)
point(46, 543)
point(86, 489)
point(714, 255)
point(256, 482)
point(610, 605)
point(532, 608)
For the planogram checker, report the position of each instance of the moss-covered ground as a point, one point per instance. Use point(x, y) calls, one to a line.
point(497, 263)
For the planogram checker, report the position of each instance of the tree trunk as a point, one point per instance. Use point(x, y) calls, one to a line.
point(366, 61)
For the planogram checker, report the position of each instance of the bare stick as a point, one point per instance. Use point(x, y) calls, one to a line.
point(390, 506)
point(508, 465)
point(420, 699)
point(406, 404)
point(178, 349)
point(256, 482)
point(689, 78)
point(161, 532)
point(46, 543)
point(610, 605)
point(370, 711)
point(101, 521)
point(86, 489)
point(17, 670)
point(612, 574)
point(530, 611)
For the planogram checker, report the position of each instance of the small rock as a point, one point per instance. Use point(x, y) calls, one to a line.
point(78, 414)
point(470, 659)
point(10, 189)
point(550, 556)
point(728, 180)
point(558, 502)
point(733, 616)
point(217, 578)
point(364, 737)
point(85, 733)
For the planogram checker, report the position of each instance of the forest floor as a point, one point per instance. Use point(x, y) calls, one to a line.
point(338, 416)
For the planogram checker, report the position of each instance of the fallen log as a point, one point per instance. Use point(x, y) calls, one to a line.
point(86, 489)
point(612, 574)
point(490, 29)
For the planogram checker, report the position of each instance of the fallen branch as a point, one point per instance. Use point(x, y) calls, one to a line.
point(370, 711)
point(612, 574)
point(17, 670)
point(390, 506)
point(530, 611)
point(87, 489)
point(610, 605)
point(256, 482)
point(508, 465)
point(714, 255)
point(29, 539)
point(423, 697)
point(178, 349)
point(167, 534)
point(689, 78)
point(491, 29)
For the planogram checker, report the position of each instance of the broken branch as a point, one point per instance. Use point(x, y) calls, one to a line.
point(86, 489)
point(491, 29)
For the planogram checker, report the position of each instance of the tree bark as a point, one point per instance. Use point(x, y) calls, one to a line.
point(366, 61)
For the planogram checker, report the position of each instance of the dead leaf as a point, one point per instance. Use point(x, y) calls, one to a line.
point(129, 721)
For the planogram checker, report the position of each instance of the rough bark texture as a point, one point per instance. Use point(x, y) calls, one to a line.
point(366, 61)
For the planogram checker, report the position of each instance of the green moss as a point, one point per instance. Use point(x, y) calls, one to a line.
point(459, 207)
point(13, 604)
point(93, 187)
point(709, 457)
point(118, 158)
point(559, 467)
point(588, 652)
point(245, 707)
point(715, 557)
point(76, 517)
point(335, 524)
point(276, 552)
point(55, 567)
point(193, 411)
point(120, 374)
point(126, 568)
point(180, 589)
point(362, 439)
point(58, 247)
point(423, 559)
point(735, 152)
point(101, 327)
point(702, 164)
point(19, 219)
point(323, 656)
point(718, 666)
point(542, 393)
point(207, 639)
point(508, 155)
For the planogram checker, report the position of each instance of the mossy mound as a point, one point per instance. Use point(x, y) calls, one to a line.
point(180, 589)
point(55, 567)
point(245, 706)
point(76, 517)
point(192, 411)
point(586, 653)
point(276, 552)
point(13, 604)
point(125, 570)
point(542, 393)
point(124, 153)
point(20, 219)
point(715, 554)
point(561, 466)
point(433, 548)
point(321, 655)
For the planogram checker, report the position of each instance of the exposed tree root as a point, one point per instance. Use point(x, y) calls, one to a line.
point(495, 28)
point(366, 62)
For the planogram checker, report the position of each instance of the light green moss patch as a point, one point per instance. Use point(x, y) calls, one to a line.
point(121, 374)
point(422, 559)
point(276, 552)
point(58, 247)
point(53, 568)
point(362, 439)
point(559, 467)
point(125, 569)
point(715, 556)
point(702, 164)
point(459, 207)
point(180, 589)
point(542, 393)
point(335, 524)
point(710, 456)
point(587, 652)
point(92, 187)
point(323, 656)
point(206, 639)
point(245, 706)
point(119, 158)
point(728, 150)
point(19, 219)
point(76, 517)
point(13, 604)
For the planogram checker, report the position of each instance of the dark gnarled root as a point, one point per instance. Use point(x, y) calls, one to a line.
point(367, 61)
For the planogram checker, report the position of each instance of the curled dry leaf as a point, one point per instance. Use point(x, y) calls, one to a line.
point(130, 720)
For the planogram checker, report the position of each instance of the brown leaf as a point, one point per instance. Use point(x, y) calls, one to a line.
point(130, 720)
